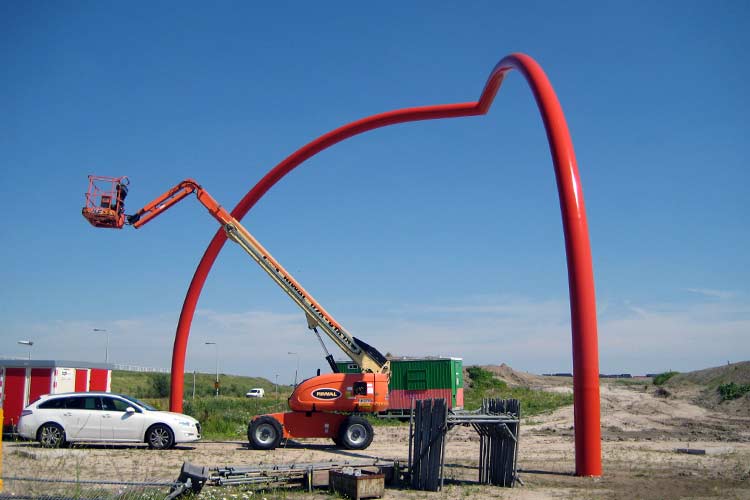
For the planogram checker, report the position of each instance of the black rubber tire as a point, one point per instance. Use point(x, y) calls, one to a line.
point(355, 433)
point(51, 435)
point(159, 437)
point(264, 433)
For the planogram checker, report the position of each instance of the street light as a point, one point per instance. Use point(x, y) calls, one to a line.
point(216, 384)
point(106, 349)
point(297, 369)
point(28, 343)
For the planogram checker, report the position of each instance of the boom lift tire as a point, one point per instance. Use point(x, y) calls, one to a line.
point(264, 433)
point(356, 433)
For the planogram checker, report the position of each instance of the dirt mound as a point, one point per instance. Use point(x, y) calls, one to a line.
point(739, 373)
point(704, 384)
point(516, 378)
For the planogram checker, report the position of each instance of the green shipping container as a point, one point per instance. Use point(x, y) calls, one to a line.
point(421, 374)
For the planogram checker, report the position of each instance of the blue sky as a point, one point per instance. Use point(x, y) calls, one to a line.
point(432, 238)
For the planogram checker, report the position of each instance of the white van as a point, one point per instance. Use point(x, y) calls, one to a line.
point(255, 393)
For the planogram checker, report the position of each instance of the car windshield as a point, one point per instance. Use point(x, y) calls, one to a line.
point(139, 403)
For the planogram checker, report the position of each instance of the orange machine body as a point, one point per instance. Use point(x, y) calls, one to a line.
point(321, 404)
point(345, 392)
point(311, 424)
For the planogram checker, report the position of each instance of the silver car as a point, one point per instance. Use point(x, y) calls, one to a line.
point(57, 419)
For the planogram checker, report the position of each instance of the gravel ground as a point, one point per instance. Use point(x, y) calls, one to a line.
point(641, 432)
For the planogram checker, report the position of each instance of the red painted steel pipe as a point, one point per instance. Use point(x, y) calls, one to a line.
point(575, 227)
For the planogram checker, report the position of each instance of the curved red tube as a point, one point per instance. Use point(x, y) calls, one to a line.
point(575, 227)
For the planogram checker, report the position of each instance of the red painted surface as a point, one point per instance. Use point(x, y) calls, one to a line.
point(575, 228)
point(14, 387)
point(401, 399)
point(82, 377)
point(297, 424)
point(41, 383)
point(460, 397)
point(98, 380)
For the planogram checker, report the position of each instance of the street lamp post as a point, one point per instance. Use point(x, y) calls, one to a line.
point(296, 369)
point(28, 343)
point(106, 349)
point(216, 384)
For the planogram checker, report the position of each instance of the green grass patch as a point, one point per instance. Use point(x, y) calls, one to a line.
point(228, 417)
point(483, 384)
point(628, 382)
point(663, 377)
point(224, 417)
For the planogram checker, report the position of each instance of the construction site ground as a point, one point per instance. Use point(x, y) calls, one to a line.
point(642, 429)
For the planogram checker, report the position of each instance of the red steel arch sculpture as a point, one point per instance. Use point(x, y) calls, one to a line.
point(575, 227)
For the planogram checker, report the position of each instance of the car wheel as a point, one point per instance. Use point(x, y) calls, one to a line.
point(264, 433)
point(51, 436)
point(356, 433)
point(159, 437)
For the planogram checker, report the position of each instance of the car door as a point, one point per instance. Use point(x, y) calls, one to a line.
point(82, 418)
point(118, 424)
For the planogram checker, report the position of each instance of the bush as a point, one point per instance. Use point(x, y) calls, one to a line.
point(662, 392)
point(732, 391)
point(663, 377)
point(484, 379)
point(160, 385)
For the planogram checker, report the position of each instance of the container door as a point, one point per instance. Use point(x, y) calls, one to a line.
point(457, 386)
point(41, 383)
point(82, 380)
point(14, 389)
point(99, 380)
point(65, 380)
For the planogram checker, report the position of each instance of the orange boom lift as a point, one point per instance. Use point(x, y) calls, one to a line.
point(322, 406)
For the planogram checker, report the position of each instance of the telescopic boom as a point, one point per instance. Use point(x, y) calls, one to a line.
point(367, 357)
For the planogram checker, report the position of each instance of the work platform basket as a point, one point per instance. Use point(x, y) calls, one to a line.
point(105, 201)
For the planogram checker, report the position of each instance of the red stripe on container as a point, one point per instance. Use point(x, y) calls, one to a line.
point(401, 399)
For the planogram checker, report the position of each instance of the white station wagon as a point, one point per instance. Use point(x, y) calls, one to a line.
point(57, 419)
